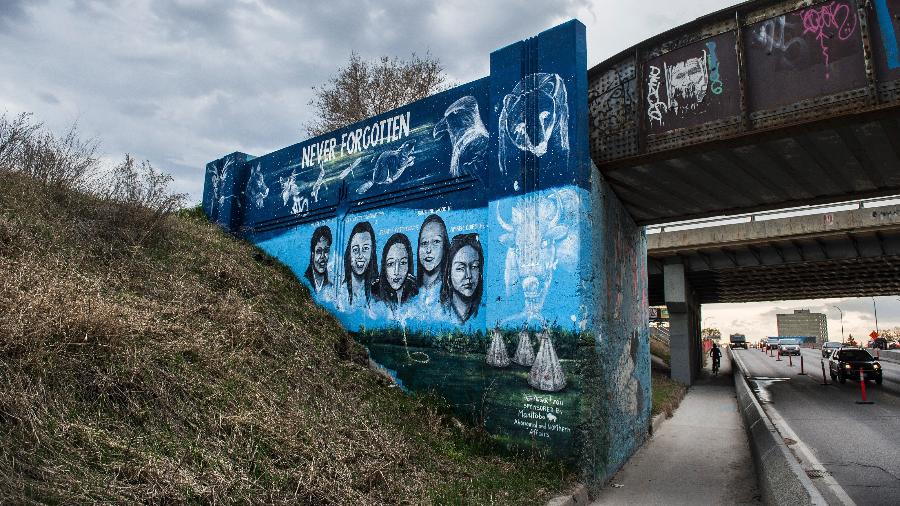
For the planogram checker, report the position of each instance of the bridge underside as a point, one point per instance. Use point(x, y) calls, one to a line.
point(857, 264)
point(749, 109)
point(855, 156)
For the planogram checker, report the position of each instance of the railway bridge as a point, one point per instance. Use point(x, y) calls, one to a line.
point(762, 106)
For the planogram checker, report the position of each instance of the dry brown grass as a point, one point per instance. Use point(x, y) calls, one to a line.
point(192, 368)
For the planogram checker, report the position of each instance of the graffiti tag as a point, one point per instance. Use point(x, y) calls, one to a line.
point(655, 106)
point(611, 102)
point(771, 35)
point(715, 81)
point(835, 16)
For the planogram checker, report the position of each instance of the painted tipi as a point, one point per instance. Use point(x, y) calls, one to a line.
point(496, 354)
point(524, 351)
point(546, 373)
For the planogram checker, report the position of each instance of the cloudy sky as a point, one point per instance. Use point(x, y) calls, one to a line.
point(182, 82)
point(757, 319)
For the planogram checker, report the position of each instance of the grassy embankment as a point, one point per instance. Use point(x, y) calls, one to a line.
point(159, 360)
point(667, 393)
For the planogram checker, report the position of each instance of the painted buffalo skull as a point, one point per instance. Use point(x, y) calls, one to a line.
point(532, 238)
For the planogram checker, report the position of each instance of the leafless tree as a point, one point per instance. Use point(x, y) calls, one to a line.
point(363, 89)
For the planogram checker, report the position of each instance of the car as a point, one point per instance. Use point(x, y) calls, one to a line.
point(846, 363)
point(829, 347)
point(789, 346)
point(878, 342)
point(893, 345)
point(771, 343)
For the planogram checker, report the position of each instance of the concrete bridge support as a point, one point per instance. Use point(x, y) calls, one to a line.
point(684, 324)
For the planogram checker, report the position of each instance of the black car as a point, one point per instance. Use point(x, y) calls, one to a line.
point(846, 363)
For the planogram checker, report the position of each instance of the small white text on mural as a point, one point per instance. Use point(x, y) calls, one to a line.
point(540, 415)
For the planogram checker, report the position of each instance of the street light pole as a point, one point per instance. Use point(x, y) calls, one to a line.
point(876, 315)
point(842, 322)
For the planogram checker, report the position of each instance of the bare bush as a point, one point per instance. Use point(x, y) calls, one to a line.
point(130, 202)
point(143, 197)
point(66, 162)
point(13, 134)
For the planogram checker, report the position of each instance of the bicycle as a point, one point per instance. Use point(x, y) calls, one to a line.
point(715, 366)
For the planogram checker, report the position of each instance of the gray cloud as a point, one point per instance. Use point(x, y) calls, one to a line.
point(13, 12)
point(181, 82)
point(49, 98)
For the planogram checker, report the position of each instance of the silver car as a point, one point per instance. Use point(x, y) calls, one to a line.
point(789, 346)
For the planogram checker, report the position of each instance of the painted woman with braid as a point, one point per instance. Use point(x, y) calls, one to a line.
point(317, 270)
point(463, 286)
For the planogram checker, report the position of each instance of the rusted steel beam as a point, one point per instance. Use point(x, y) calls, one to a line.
point(641, 121)
point(862, 10)
point(742, 71)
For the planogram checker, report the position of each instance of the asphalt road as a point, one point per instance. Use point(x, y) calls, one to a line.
point(857, 445)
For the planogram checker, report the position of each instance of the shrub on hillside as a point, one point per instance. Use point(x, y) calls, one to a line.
point(66, 161)
point(143, 201)
point(13, 133)
point(133, 200)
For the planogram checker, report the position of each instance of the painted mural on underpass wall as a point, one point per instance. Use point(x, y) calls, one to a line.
point(454, 238)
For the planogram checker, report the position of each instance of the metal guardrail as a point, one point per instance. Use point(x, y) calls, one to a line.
point(660, 334)
point(774, 215)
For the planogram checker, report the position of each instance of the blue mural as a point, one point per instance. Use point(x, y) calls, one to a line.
point(457, 239)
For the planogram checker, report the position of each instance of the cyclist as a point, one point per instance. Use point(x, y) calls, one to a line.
point(716, 355)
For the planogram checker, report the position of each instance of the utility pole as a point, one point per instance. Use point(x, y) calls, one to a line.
point(842, 322)
point(876, 315)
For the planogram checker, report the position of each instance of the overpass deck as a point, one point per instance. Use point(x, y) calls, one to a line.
point(841, 254)
point(765, 105)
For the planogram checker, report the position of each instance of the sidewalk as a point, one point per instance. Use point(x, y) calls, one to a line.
point(699, 456)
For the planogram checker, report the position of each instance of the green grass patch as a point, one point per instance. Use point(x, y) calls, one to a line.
point(667, 394)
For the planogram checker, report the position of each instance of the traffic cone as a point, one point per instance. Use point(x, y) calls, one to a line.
point(862, 388)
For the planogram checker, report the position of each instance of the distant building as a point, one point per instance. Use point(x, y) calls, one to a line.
point(803, 323)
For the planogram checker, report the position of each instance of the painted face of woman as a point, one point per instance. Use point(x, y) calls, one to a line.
point(320, 255)
point(465, 271)
point(396, 265)
point(431, 246)
point(360, 252)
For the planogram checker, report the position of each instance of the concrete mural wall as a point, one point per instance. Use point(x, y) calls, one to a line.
point(466, 241)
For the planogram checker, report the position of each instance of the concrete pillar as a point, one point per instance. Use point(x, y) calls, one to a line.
point(684, 324)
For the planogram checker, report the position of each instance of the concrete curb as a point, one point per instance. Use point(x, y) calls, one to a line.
point(656, 422)
point(781, 479)
point(888, 356)
point(578, 496)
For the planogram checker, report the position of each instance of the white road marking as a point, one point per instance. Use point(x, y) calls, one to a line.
point(804, 454)
point(807, 457)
